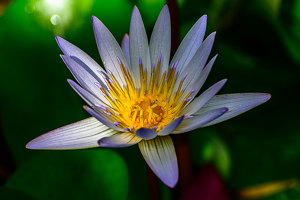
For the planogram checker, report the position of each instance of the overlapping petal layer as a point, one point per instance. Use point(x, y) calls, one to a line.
point(141, 97)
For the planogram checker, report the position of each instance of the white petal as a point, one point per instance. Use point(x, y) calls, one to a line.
point(119, 140)
point(198, 80)
point(195, 67)
point(79, 135)
point(160, 155)
point(236, 103)
point(102, 118)
point(200, 120)
point(109, 50)
point(85, 79)
point(138, 46)
point(160, 42)
point(200, 101)
point(80, 57)
point(190, 44)
point(88, 97)
point(125, 47)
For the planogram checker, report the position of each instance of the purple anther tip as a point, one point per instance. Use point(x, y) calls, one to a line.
point(106, 81)
point(166, 79)
point(183, 89)
point(159, 59)
point(109, 114)
point(176, 63)
point(145, 69)
point(154, 83)
point(188, 116)
point(119, 60)
point(172, 66)
point(99, 71)
point(126, 77)
point(116, 123)
point(103, 94)
point(165, 72)
point(98, 85)
point(192, 91)
point(188, 99)
point(126, 129)
point(140, 61)
point(154, 128)
point(99, 106)
point(143, 79)
point(152, 74)
point(153, 65)
point(177, 73)
point(102, 74)
point(125, 68)
point(109, 72)
point(183, 78)
point(131, 128)
point(162, 127)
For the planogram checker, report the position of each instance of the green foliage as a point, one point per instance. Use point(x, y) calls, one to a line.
point(258, 43)
point(81, 174)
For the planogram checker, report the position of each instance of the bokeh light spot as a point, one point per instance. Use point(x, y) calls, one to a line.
point(30, 8)
point(55, 19)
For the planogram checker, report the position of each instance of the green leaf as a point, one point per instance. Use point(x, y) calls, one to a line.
point(82, 174)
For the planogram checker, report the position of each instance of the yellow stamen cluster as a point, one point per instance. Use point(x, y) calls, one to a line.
point(149, 107)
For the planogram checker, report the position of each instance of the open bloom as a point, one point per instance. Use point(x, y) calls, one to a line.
point(141, 97)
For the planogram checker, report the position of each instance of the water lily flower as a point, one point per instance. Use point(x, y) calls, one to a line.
point(141, 97)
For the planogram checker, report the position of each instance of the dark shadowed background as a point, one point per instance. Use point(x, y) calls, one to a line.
point(258, 47)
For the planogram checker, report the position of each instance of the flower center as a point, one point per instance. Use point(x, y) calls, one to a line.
point(151, 107)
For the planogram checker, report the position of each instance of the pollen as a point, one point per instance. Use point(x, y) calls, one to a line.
point(151, 106)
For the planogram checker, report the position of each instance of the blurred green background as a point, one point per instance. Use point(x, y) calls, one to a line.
point(258, 43)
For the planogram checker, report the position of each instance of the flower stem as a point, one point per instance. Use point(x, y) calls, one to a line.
point(153, 185)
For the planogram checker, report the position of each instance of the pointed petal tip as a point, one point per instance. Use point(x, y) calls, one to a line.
point(165, 7)
point(172, 185)
point(57, 38)
point(29, 145)
point(135, 8)
point(70, 81)
point(266, 96)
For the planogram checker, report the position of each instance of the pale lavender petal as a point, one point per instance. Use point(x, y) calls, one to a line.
point(200, 101)
point(236, 103)
point(198, 80)
point(79, 135)
point(160, 41)
point(80, 57)
point(171, 127)
point(190, 44)
point(85, 79)
point(200, 120)
point(119, 140)
point(195, 67)
point(109, 50)
point(125, 47)
point(138, 45)
point(101, 117)
point(160, 155)
point(146, 133)
point(88, 97)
